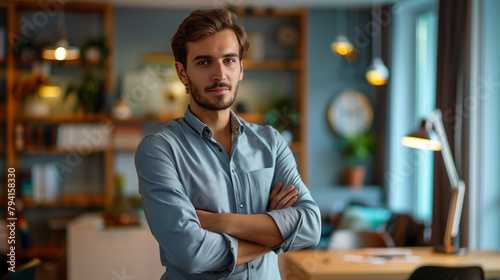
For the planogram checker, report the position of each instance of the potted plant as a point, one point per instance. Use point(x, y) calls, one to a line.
point(356, 149)
point(89, 93)
point(283, 116)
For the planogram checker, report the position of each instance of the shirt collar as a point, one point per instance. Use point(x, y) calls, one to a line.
point(237, 126)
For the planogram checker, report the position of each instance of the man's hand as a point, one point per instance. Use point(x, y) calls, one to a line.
point(279, 200)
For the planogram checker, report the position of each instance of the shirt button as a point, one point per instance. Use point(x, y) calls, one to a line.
point(252, 266)
point(241, 205)
point(234, 171)
point(220, 150)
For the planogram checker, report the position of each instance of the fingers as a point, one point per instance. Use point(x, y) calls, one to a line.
point(287, 197)
point(292, 200)
point(275, 191)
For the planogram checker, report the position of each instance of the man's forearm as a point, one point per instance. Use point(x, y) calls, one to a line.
point(248, 251)
point(257, 228)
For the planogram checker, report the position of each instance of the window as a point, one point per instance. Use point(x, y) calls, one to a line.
point(425, 103)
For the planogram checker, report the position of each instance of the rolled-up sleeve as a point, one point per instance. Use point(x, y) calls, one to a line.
point(184, 245)
point(299, 225)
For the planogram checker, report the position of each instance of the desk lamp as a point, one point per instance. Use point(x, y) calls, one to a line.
point(426, 138)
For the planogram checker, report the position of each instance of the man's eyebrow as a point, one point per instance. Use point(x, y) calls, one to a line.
point(198, 57)
point(231, 55)
point(202, 57)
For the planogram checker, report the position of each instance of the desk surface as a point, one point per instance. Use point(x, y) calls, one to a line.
point(325, 264)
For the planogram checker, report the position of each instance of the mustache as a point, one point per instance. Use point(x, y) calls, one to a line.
point(217, 85)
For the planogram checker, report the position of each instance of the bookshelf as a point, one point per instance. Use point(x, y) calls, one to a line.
point(84, 171)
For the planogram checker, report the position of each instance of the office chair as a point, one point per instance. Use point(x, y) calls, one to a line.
point(26, 271)
point(344, 239)
point(431, 272)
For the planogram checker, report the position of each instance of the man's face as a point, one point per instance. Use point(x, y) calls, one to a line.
point(213, 70)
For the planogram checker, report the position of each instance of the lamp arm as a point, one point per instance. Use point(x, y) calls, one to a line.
point(437, 121)
point(457, 185)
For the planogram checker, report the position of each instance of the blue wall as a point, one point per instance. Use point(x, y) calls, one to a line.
point(328, 74)
point(142, 30)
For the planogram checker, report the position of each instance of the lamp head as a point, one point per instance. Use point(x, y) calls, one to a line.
point(424, 138)
point(61, 51)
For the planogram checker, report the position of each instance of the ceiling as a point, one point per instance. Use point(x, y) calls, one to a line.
point(247, 3)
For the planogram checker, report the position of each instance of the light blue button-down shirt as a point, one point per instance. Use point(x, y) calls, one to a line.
point(182, 168)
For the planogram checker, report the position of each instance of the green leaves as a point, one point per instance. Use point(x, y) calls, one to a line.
point(358, 147)
point(89, 92)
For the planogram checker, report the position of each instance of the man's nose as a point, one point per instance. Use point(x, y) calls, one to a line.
point(219, 73)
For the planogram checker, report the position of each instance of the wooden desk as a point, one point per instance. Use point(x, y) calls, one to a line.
point(325, 264)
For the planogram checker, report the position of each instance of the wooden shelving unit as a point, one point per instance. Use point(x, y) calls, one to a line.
point(296, 64)
point(17, 12)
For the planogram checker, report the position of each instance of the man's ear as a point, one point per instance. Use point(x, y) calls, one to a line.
point(181, 72)
point(241, 71)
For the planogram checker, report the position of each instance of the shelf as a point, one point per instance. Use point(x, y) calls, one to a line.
point(267, 12)
point(252, 117)
point(295, 147)
point(69, 6)
point(54, 151)
point(271, 64)
point(69, 201)
point(44, 252)
point(67, 118)
point(67, 63)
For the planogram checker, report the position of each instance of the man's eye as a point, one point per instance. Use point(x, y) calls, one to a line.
point(230, 60)
point(202, 62)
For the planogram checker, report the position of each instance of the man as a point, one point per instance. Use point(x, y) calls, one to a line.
point(212, 185)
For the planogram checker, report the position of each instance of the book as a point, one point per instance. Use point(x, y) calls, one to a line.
point(45, 183)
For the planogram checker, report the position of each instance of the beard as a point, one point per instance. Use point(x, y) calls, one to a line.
point(201, 99)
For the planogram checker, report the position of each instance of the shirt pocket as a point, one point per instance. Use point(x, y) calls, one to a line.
point(260, 185)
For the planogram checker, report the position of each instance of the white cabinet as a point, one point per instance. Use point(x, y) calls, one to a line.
point(99, 253)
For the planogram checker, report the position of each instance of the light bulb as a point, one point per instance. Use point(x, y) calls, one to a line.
point(377, 73)
point(60, 53)
point(342, 46)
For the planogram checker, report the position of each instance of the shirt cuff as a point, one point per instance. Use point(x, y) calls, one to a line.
point(233, 250)
point(288, 221)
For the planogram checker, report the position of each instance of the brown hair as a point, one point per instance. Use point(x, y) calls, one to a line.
point(201, 23)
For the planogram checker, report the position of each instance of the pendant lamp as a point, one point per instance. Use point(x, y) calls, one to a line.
point(342, 46)
point(377, 73)
point(61, 50)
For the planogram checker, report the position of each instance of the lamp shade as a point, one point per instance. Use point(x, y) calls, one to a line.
point(342, 46)
point(61, 51)
point(423, 139)
point(377, 73)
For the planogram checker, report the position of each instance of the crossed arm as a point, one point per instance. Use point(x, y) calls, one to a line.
point(256, 233)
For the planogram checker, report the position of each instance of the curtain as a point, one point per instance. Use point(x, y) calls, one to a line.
point(451, 92)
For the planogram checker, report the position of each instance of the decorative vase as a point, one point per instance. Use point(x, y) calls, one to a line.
point(354, 176)
point(120, 213)
point(36, 107)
